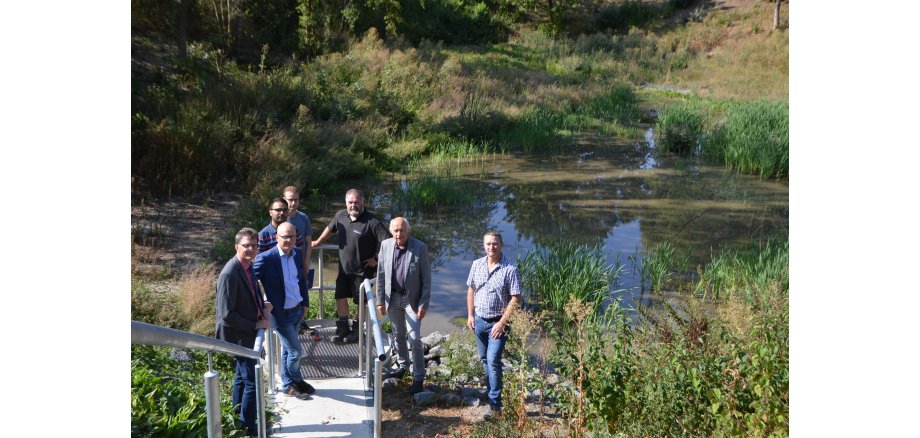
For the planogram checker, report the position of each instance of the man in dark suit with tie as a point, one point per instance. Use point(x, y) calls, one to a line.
point(280, 269)
point(240, 313)
point(404, 286)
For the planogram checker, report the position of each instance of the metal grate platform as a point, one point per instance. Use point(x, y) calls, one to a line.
point(325, 359)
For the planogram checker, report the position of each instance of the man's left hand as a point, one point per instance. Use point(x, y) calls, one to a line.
point(369, 263)
point(421, 314)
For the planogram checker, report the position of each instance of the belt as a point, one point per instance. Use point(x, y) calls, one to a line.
point(495, 319)
point(297, 307)
point(399, 291)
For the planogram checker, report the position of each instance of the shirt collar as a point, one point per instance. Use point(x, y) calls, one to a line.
point(281, 251)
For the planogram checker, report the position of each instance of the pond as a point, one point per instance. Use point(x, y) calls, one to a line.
point(613, 193)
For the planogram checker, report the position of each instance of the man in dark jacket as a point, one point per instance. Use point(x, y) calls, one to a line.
point(240, 313)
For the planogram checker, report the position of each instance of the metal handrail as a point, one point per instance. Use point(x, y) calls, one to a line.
point(322, 288)
point(383, 356)
point(151, 334)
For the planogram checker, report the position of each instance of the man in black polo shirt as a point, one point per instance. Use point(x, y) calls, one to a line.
point(360, 234)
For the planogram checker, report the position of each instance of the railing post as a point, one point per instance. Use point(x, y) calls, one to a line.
point(260, 401)
point(321, 316)
point(212, 400)
point(361, 338)
point(270, 340)
point(378, 395)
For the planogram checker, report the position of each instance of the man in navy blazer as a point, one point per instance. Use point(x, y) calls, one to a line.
point(280, 269)
point(404, 286)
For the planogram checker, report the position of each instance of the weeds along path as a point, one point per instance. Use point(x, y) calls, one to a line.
point(171, 236)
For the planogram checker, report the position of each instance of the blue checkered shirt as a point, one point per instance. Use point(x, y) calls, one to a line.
point(493, 289)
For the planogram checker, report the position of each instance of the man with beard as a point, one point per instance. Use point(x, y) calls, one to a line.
point(278, 214)
point(360, 234)
point(240, 312)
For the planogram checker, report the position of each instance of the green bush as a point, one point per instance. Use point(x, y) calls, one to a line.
point(167, 396)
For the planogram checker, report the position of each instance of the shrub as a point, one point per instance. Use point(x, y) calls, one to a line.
point(167, 396)
point(620, 17)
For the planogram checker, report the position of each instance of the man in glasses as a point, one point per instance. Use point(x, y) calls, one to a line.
point(360, 234)
point(240, 313)
point(280, 270)
point(278, 214)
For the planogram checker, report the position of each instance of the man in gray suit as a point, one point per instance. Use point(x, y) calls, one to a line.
point(240, 312)
point(404, 287)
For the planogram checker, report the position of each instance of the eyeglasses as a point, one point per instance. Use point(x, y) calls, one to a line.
point(248, 245)
point(278, 210)
point(286, 237)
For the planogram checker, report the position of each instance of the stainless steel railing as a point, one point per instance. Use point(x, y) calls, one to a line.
point(383, 355)
point(150, 334)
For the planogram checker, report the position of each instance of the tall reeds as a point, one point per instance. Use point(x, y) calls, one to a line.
point(567, 271)
point(753, 138)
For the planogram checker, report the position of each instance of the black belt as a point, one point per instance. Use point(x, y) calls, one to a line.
point(292, 308)
point(495, 319)
point(399, 291)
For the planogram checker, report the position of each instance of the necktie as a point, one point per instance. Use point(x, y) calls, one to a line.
point(255, 295)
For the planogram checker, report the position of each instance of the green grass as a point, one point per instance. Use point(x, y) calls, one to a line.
point(679, 129)
point(753, 138)
point(743, 273)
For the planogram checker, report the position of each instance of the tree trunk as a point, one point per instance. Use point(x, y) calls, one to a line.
point(776, 15)
point(183, 27)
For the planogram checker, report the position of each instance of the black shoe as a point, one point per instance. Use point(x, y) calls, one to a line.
point(417, 387)
point(341, 330)
point(305, 387)
point(353, 336)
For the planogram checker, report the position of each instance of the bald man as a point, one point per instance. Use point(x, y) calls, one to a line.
point(280, 269)
point(404, 286)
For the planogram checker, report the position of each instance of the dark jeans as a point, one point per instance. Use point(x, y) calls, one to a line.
point(490, 354)
point(244, 392)
point(286, 326)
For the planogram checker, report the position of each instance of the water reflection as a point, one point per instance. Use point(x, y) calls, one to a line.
point(610, 194)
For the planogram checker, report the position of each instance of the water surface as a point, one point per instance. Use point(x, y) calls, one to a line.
point(616, 194)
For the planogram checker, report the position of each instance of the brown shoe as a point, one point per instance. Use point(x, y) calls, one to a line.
point(293, 392)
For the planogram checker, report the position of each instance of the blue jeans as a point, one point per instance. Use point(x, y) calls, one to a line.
point(490, 354)
point(401, 313)
point(286, 326)
point(244, 392)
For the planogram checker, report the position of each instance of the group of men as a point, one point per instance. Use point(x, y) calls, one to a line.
point(279, 257)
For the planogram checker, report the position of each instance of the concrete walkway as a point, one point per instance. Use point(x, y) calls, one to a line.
point(340, 407)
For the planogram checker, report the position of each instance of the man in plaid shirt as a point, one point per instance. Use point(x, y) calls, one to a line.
point(493, 294)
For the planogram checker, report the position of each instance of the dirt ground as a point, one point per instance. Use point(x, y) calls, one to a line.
point(170, 236)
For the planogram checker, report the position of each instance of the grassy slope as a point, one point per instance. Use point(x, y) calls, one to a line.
point(738, 53)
